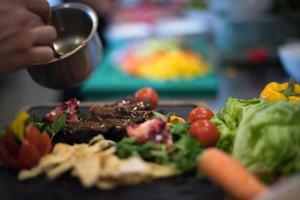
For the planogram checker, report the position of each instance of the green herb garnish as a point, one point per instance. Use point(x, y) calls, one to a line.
point(51, 127)
point(57, 125)
point(149, 151)
point(182, 154)
point(185, 152)
point(178, 128)
point(81, 116)
point(39, 123)
point(158, 115)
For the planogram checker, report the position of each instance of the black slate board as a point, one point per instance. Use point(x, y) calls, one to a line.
point(186, 187)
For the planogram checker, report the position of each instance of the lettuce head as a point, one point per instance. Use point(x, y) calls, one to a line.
point(228, 119)
point(267, 139)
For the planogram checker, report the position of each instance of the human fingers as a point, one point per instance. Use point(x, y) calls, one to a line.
point(17, 21)
point(20, 40)
point(25, 39)
point(22, 59)
point(38, 54)
point(43, 35)
point(39, 7)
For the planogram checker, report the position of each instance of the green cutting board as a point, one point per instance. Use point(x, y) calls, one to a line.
point(108, 82)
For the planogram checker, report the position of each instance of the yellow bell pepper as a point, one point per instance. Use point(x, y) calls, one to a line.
point(18, 125)
point(289, 91)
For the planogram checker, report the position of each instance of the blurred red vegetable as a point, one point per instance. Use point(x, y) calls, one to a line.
point(205, 132)
point(147, 94)
point(24, 154)
point(200, 113)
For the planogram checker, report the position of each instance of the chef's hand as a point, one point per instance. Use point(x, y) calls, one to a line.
point(24, 37)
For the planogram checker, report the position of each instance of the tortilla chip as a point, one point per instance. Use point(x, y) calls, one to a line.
point(87, 169)
point(95, 164)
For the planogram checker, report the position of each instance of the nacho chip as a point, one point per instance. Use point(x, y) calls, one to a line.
point(95, 164)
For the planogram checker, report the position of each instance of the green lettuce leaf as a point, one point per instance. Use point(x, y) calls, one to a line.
point(228, 119)
point(268, 138)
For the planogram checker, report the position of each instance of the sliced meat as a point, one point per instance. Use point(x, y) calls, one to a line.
point(84, 131)
point(121, 113)
point(109, 120)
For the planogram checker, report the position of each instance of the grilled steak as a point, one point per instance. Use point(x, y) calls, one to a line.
point(109, 120)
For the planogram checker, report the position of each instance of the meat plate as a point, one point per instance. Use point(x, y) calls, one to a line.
point(187, 187)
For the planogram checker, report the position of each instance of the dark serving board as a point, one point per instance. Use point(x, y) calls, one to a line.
point(186, 187)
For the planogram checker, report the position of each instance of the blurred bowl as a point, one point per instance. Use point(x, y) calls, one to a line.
point(78, 46)
point(289, 55)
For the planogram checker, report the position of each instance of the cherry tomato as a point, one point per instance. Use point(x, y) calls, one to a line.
point(199, 113)
point(147, 94)
point(205, 132)
point(28, 156)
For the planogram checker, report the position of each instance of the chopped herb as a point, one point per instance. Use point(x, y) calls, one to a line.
point(59, 124)
point(150, 151)
point(185, 152)
point(81, 116)
point(179, 128)
point(51, 127)
point(37, 122)
point(160, 154)
point(182, 154)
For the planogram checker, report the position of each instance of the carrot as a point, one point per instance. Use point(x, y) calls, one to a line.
point(229, 174)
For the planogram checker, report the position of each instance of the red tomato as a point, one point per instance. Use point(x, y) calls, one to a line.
point(147, 94)
point(7, 157)
point(33, 135)
point(45, 144)
point(200, 113)
point(205, 132)
point(10, 144)
point(29, 155)
point(40, 140)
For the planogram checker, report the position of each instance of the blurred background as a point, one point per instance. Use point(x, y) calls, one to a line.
point(188, 50)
